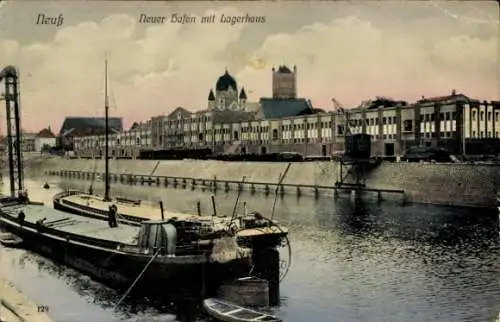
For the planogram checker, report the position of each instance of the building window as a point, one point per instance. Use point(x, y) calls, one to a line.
point(275, 134)
point(393, 120)
point(481, 134)
point(441, 116)
point(474, 115)
point(384, 120)
point(340, 129)
point(453, 115)
point(408, 125)
point(489, 116)
point(496, 116)
point(482, 116)
point(489, 134)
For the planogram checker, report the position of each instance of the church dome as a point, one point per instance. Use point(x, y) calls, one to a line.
point(225, 82)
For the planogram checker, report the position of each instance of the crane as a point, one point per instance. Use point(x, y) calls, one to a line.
point(354, 166)
point(10, 76)
point(342, 111)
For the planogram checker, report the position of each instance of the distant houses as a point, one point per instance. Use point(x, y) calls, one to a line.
point(45, 140)
point(36, 142)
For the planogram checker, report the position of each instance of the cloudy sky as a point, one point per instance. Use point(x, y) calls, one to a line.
point(348, 50)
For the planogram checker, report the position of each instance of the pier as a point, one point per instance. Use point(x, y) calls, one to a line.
point(16, 307)
point(215, 184)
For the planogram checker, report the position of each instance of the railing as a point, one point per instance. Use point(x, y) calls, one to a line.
point(215, 183)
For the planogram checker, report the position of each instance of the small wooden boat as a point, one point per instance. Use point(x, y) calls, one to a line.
point(230, 312)
point(10, 240)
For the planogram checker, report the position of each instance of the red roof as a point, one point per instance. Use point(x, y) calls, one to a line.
point(45, 133)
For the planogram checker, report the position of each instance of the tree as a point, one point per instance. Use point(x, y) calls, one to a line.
point(45, 148)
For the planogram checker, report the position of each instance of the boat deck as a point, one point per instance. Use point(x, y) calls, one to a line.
point(80, 225)
point(142, 210)
point(148, 212)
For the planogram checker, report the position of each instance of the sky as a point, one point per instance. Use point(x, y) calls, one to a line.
point(350, 50)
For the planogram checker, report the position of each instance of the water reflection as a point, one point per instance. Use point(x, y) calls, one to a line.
point(352, 261)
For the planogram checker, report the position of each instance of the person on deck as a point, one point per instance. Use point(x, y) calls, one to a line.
point(113, 210)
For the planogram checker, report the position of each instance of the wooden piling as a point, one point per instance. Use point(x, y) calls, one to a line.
point(213, 206)
point(162, 210)
point(198, 206)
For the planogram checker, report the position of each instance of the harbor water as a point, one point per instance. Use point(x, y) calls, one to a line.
point(351, 261)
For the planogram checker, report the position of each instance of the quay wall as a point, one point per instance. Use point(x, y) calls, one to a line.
point(15, 306)
point(443, 184)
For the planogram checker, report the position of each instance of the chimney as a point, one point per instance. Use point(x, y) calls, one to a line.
point(453, 92)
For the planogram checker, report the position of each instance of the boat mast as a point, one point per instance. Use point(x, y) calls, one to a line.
point(106, 150)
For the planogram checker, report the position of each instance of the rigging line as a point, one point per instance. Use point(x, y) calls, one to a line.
point(138, 277)
point(280, 181)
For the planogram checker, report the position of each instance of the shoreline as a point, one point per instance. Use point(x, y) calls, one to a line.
point(462, 185)
point(16, 306)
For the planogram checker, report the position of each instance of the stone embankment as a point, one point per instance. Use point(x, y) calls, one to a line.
point(443, 184)
point(16, 307)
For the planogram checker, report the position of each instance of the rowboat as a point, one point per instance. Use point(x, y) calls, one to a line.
point(231, 312)
point(10, 240)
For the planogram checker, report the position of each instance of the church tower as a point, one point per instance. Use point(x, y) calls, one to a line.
point(211, 100)
point(226, 92)
point(243, 98)
point(284, 82)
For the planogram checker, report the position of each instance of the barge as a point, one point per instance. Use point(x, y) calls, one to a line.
point(160, 258)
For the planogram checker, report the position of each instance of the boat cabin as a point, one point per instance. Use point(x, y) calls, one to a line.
point(154, 234)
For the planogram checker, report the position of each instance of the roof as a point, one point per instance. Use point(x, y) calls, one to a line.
point(45, 133)
point(211, 96)
point(225, 82)
point(283, 69)
point(243, 95)
point(279, 108)
point(28, 136)
point(452, 97)
point(381, 101)
point(89, 125)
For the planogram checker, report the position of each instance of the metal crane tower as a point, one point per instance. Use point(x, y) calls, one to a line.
point(356, 157)
point(10, 76)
